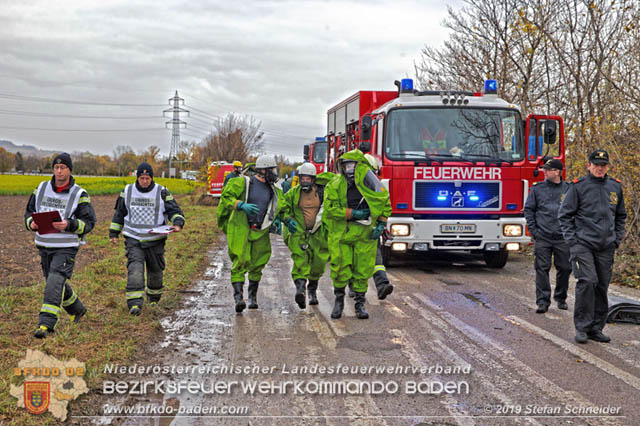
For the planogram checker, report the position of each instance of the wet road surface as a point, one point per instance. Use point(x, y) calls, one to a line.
point(455, 344)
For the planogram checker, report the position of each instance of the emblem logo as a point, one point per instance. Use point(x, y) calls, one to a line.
point(37, 396)
point(613, 198)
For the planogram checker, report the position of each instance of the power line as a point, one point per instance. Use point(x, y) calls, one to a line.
point(40, 114)
point(70, 101)
point(83, 130)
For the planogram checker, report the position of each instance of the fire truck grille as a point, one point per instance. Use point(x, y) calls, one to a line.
point(450, 195)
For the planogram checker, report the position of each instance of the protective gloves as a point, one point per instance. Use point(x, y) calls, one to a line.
point(276, 226)
point(360, 214)
point(292, 226)
point(248, 208)
point(378, 230)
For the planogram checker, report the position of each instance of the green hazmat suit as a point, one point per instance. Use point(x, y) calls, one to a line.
point(352, 251)
point(249, 249)
point(309, 249)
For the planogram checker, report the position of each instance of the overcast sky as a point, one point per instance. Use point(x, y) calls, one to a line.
point(283, 62)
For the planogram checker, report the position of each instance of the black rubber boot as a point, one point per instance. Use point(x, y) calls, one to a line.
point(339, 303)
point(311, 288)
point(301, 298)
point(360, 312)
point(253, 294)
point(237, 296)
point(384, 289)
point(352, 293)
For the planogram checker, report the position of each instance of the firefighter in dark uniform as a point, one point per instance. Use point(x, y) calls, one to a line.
point(58, 250)
point(541, 212)
point(142, 206)
point(592, 218)
point(236, 172)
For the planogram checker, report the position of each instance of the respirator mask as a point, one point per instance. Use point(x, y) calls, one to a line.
point(349, 171)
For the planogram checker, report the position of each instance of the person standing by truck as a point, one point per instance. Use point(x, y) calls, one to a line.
point(541, 212)
point(356, 208)
point(236, 172)
point(592, 218)
point(249, 206)
point(58, 249)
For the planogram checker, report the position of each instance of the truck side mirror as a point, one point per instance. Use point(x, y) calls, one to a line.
point(365, 128)
point(306, 153)
point(550, 132)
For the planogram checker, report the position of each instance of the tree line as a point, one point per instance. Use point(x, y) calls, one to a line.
point(574, 58)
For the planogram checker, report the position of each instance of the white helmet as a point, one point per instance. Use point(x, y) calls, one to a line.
point(265, 162)
point(307, 169)
point(373, 162)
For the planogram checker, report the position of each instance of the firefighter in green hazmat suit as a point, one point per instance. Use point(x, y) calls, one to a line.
point(248, 210)
point(307, 236)
point(355, 210)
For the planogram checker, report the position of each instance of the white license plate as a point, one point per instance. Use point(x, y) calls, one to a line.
point(458, 228)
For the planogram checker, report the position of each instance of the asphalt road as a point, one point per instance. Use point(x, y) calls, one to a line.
point(460, 344)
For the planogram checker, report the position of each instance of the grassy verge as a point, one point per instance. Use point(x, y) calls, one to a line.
point(25, 184)
point(108, 333)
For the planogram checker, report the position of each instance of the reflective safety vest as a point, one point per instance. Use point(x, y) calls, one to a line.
point(66, 203)
point(145, 210)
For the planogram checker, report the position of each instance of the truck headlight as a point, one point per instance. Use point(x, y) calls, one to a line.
point(399, 230)
point(512, 231)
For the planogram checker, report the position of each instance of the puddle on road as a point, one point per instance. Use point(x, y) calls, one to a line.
point(478, 298)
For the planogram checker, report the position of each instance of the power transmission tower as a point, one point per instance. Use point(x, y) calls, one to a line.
point(175, 122)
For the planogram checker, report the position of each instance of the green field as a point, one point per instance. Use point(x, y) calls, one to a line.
point(24, 185)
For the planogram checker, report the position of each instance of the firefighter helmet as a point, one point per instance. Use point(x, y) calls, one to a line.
point(265, 162)
point(237, 164)
point(307, 169)
point(373, 162)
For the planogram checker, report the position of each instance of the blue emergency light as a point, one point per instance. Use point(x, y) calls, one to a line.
point(319, 138)
point(406, 85)
point(474, 197)
point(490, 87)
point(442, 198)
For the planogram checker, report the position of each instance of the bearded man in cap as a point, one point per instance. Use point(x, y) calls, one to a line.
point(541, 212)
point(58, 249)
point(142, 206)
point(592, 218)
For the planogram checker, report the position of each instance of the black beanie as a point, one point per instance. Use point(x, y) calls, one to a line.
point(63, 158)
point(144, 169)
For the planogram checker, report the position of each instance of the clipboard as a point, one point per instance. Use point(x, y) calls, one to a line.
point(45, 221)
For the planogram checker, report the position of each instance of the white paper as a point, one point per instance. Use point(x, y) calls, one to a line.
point(165, 229)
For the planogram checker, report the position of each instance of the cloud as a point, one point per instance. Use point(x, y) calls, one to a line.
point(284, 62)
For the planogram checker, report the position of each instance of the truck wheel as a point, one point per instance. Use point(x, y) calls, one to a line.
point(496, 259)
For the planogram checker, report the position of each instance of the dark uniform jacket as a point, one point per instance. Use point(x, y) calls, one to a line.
point(84, 211)
point(541, 209)
point(172, 210)
point(230, 175)
point(592, 213)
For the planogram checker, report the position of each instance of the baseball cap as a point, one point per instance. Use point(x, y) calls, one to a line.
point(553, 163)
point(599, 156)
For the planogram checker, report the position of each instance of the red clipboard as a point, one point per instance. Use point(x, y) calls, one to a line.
point(45, 221)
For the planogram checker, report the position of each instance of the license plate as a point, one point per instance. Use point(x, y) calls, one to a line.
point(458, 228)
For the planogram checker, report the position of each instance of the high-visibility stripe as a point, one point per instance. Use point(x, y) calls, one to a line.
point(154, 291)
point(70, 301)
point(81, 226)
point(28, 223)
point(379, 268)
point(175, 216)
point(168, 197)
point(135, 294)
point(115, 226)
point(84, 200)
point(51, 309)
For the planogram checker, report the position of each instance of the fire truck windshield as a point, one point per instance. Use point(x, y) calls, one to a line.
point(471, 134)
point(320, 152)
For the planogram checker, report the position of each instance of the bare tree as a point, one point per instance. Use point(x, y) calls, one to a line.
point(234, 138)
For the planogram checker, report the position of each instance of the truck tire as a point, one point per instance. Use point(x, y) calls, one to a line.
point(496, 259)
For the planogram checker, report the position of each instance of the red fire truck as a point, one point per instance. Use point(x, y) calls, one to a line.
point(216, 173)
point(458, 165)
point(316, 153)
